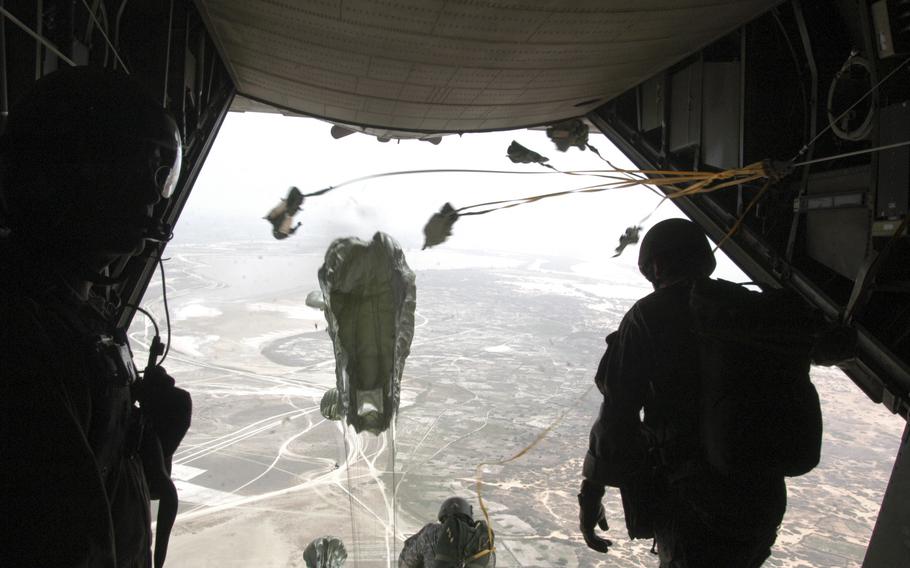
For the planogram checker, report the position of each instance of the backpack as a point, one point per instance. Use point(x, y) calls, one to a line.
point(462, 544)
point(760, 413)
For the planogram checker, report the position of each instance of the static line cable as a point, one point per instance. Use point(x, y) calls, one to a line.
point(478, 473)
point(39, 38)
point(841, 115)
point(104, 35)
point(432, 171)
point(742, 216)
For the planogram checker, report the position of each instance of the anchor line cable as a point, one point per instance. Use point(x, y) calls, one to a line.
point(831, 123)
point(478, 471)
point(38, 37)
point(854, 153)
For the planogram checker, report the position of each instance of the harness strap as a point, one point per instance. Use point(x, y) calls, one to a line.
point(481, 554)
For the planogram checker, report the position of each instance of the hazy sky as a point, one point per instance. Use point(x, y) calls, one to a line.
point(256, 157)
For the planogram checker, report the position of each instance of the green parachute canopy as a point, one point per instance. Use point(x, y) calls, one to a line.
point(325, 552)
point(439, 227)
point(370, 297)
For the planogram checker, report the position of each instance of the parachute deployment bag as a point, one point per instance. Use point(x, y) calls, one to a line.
point(760, 412)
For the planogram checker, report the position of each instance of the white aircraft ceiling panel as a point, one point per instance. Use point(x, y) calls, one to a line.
point(457, 65)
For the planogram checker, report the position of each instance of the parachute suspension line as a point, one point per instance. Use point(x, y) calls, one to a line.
point(347, 469)
point(831, 123)
point(394, 492)
point(653, 211)
point(478, 471)
point(101, 29)
point(38, 37)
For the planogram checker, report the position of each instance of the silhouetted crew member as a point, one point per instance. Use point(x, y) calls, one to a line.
point(84, 158)
point(700, 519)
point(456, 541)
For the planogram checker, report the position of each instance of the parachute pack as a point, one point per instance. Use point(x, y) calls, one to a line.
point(760, 412)
point(461, 544)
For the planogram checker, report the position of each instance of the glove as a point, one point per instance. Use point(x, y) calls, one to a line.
point(591, 514)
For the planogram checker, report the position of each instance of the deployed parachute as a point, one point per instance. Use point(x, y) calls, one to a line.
point(521, 155)
point(439, 227)
point(325, 552)
point(370, 298)
point(569, 133)
point(282, 215)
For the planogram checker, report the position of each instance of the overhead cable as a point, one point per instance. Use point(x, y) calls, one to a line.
point(39, 38)
point(91, 14)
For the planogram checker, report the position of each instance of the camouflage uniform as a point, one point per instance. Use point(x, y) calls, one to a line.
point(419, 550)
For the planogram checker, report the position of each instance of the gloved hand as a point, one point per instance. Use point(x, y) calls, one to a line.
point(591, 514)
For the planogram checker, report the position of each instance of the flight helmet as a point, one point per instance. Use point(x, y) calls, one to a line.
point(680, 245)
point(84, 157)
point(455, 506)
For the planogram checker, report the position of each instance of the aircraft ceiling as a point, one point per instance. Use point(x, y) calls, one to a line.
point(457, 65)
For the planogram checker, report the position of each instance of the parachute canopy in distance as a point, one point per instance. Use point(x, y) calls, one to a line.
point(315, 300)
point(330, 405)
point(521, 155)
point(439, 228)
point(569, 133)
point(370, 297)
point(282, 215)
point(325, 552)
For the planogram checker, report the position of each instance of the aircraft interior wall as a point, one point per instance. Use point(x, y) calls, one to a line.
point(783, 88)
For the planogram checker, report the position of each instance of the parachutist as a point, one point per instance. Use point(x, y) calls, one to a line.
point(663, 459)
point(456, 540)
point(439, 228)
point(282, 215)
point(630, 237)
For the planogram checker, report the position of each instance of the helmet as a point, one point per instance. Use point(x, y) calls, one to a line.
point(85, 156)
point(455, 506)
point(677, 241)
